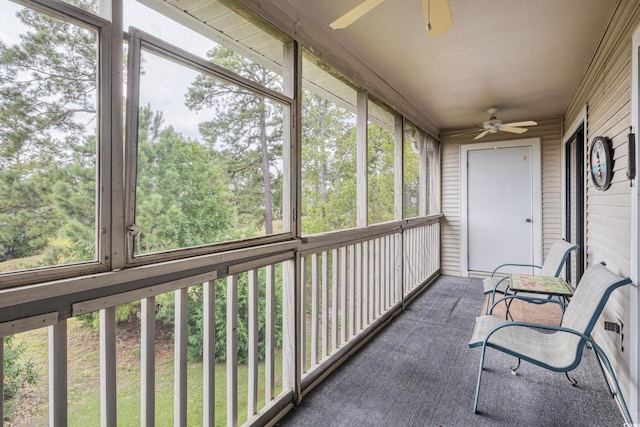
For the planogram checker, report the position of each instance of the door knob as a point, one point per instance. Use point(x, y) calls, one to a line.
point(528, 220)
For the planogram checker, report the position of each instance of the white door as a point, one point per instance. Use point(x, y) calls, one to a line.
point(502, 192)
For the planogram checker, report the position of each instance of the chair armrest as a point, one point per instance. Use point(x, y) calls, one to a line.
point(531, 300)
point(537, 326)
point(513, 265)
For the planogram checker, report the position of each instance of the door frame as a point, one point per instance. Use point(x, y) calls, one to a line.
point(568, 133)
point(634, 297)
point(536, 180)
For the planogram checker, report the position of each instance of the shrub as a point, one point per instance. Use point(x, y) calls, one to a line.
point(18, 371)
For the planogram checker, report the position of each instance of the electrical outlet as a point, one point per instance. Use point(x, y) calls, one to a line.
point(616, 327)
point(611, 326)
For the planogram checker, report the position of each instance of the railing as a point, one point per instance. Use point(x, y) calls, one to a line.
point(421, 253)
point(353, 280)
point(349, 283)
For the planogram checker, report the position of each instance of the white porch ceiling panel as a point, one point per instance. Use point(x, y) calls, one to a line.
point(525, 56)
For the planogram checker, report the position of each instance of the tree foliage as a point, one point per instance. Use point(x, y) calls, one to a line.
point(328, 166)
point(195, 305)
point(245, 133)
point(18, 369)
point(380, 174)
point(182, 199)
point(47, 103)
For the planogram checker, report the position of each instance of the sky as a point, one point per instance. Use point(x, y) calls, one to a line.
point(163, 86)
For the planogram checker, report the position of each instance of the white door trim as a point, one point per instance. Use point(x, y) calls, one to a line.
point(536, 169)
point(634, 357)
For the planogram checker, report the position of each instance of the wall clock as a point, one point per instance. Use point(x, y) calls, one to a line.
point(601, 162)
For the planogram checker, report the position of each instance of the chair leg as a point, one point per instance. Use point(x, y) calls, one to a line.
point(475, 402)
point(508, 310)
point(514, 368)
point(600, 363)
point(603, 358)
point(573, 381)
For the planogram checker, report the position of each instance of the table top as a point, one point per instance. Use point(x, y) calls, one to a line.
point(539, 285)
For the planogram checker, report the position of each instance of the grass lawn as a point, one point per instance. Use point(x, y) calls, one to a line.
point(30, 407)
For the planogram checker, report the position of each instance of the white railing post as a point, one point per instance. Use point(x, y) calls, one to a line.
point(270, 319)
point(398, 266)
point(180, 358)
point(359, 287)
point(325, 305)
point(209, 353)
point(148, 362)
point(335, 274)
point(1, 376)
point(315, 305)
point(375, 272)
point(343, 295)
point(232, 351)
point(302, 319)
point(108, 414)
point(293, 351)
point(58, 374)
point(389, 273)
point(371, 280)
point(352, 290)
point(252, 400)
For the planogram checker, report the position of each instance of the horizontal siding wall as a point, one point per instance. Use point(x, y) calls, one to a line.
point(606, 91)
point(450, 231)
point(549, 131)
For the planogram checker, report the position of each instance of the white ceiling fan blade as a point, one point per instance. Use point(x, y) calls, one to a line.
point(354, 14)
point(513, 130)
point(466, 132)
point(437, 13)
point(482, 134)
point(517, 124)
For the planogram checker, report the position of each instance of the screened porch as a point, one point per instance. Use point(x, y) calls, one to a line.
point(209, 216)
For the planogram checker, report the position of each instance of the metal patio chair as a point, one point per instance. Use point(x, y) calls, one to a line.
point(557, 348)
point(552, 266)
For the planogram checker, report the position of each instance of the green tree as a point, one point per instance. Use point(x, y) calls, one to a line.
point(246, 134)
point(328, 166)
point(411, 185)
point(47, 106)
point(181, 196)
point(18, 370)
point(380, 174)
point(166, 313)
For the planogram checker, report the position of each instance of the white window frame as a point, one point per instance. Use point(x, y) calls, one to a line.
point(103, 29)
point(139, 40)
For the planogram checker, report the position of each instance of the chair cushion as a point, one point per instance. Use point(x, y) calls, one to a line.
point(556, 350)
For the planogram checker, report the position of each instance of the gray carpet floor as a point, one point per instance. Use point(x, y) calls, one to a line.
point(419, 371)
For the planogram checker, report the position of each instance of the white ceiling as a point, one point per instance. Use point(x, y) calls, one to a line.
point(524, 56)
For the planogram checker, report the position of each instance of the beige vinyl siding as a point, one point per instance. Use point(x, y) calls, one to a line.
point(549, 131)
point(606, 91)
point(450, 231)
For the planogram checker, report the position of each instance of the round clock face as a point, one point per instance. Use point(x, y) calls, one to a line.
point(600, 163)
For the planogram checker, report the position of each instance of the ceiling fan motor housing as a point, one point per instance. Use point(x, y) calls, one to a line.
point(492, 125)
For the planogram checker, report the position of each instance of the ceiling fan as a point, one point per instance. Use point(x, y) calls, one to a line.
point(436, 14)
point(494, 125)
